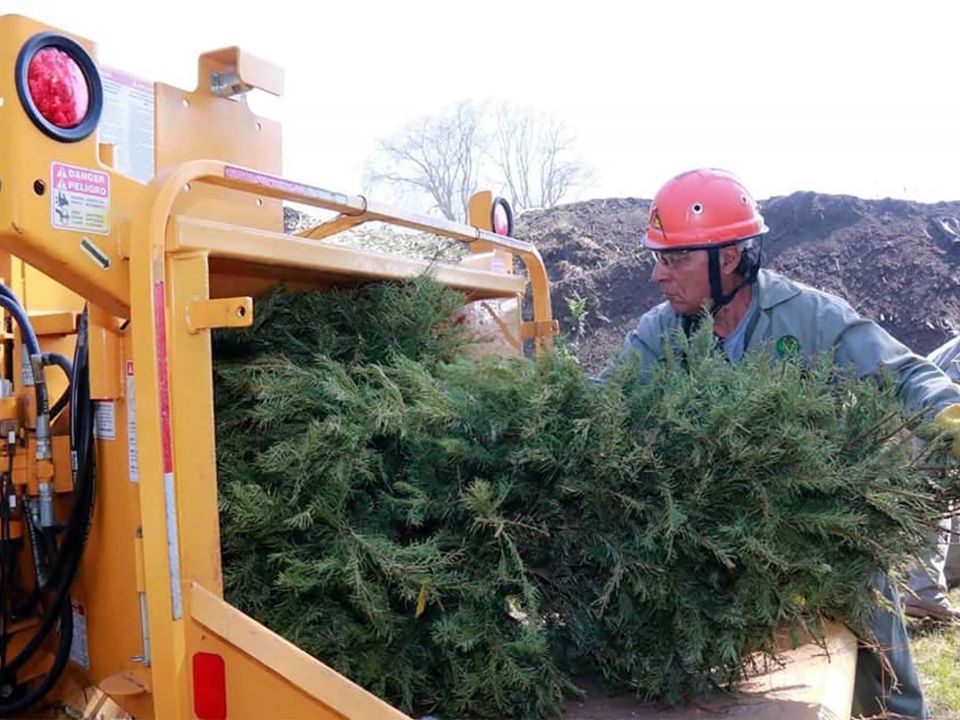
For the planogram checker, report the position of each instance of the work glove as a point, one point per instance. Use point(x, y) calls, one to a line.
point(949, 419)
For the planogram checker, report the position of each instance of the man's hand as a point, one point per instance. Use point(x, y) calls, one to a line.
point(949, 419)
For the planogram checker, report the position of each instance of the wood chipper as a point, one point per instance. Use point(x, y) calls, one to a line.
point(136, 217)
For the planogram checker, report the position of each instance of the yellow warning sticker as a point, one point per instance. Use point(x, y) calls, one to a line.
point(79, 199)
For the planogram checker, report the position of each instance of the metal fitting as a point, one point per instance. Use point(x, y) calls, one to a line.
point(46, 505)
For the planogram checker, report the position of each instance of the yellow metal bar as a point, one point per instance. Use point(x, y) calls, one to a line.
point(277, 250)
point(276, 187)
point(104, 343)
point(53, 323)
point(505, 330)
point(8, 408)
point(221, 313)
point(325, 685)
point(539, 329)
point(158, 496)
point(237, 178)
point(332, 227)
point(191, 397)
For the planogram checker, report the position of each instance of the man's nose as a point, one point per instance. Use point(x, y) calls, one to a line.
point(659, 272)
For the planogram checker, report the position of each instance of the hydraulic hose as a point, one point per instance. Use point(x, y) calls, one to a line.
point(56, 670)
point(10, 303)
point(81, 444)
point(67, 560)
point(62, 362)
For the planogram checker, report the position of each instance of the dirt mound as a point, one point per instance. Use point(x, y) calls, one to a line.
point(897, 262)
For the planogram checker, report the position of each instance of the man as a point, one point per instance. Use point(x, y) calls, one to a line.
point(704, 230)
point(928, 583)
point(947, 358)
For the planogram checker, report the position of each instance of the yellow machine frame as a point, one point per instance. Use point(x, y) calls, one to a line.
point(187, 252)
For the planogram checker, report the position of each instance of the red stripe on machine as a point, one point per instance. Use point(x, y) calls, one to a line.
point(272, 182)
point(160, 327)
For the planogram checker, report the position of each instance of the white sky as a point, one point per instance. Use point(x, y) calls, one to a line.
point(839, 97)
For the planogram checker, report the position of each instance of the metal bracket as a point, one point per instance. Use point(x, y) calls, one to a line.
point(220, 313)
point(228, 84)
point(121, 685)
point(233, 72)
point(9, 408)
point(338, 224)
point(54, 323)
point(539, 329)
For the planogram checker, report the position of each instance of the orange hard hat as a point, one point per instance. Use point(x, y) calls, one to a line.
point(702, 208)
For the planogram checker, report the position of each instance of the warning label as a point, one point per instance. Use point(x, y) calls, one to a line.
point(79, 648)
point(127, 122)
point(105, 420)
point(79, 199)
point(132, 460)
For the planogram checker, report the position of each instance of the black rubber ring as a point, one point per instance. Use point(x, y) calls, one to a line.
point(90, 73)
point(493, 214)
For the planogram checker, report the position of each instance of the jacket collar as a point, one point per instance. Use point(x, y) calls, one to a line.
point(773, 289)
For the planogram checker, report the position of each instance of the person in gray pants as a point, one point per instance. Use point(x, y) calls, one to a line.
point(929, 581)
point(704, 231)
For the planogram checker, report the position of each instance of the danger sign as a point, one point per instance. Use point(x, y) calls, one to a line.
point(79, 199)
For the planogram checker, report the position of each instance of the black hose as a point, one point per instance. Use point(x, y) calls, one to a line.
point(6, 574)
point(60, 404)
point(81, 426)
point(12, 306)
point(67, 560)
point(78, 525)
point(11, 303)
point(56, 670)
point(62, 362)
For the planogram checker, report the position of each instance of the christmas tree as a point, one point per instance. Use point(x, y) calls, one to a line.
point(464, 535)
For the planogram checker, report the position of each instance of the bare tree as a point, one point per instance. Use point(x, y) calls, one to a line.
point(434, 156)
point(534, 154)
point(526, 155)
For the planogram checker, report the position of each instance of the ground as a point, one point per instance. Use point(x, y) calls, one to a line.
point(936, 651)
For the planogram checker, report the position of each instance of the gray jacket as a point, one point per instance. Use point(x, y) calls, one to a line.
point(947, 358)
point(793, 317)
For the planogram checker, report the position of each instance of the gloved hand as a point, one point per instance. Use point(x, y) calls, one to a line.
point(949, 419)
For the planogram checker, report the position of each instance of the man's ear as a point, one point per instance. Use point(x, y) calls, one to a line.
point(729, 259)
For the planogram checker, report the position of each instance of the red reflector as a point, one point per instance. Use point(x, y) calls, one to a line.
point(58, 87)
point(209, 687)
point(501, 220)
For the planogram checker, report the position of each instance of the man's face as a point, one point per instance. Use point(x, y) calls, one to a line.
point(684, 279)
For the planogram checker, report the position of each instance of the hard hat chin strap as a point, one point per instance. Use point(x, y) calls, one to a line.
point(748, 268)
point(716, 288)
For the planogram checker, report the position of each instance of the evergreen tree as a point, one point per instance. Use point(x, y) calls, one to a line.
point(464, 535)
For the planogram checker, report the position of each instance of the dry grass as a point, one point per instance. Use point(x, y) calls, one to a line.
point(936, 652)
